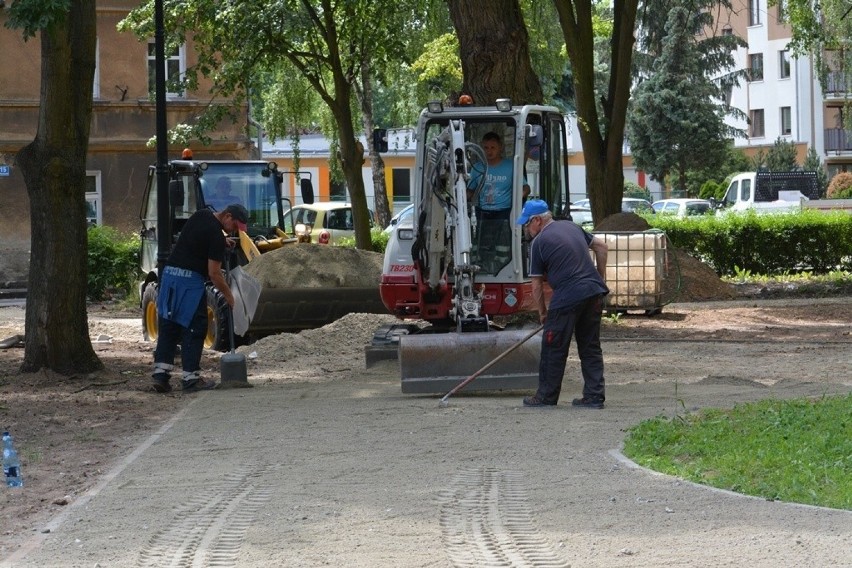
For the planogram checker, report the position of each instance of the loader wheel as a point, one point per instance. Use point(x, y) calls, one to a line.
point(217, 321)
point(149, 312)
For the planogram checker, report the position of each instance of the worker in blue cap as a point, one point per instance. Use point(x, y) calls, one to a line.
point(559, 253)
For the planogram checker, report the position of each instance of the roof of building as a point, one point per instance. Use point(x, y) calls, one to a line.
point(400, 143)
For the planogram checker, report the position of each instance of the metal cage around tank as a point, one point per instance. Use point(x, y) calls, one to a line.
point(636, 270)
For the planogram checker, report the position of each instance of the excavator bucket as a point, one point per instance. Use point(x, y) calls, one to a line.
point(437, 362)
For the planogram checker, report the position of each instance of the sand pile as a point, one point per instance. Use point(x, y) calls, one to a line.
point(317, 266)
point(334, 351)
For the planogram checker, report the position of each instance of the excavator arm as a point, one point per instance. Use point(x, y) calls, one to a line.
point(446, 227)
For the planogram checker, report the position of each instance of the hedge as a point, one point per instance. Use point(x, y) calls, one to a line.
point(768, 244)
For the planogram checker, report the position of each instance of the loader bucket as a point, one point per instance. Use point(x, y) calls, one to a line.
point(294, 309)
point(437, 362)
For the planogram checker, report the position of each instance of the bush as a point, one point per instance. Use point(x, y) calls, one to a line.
point(113, 262)
point(840, 186)
point(378, 238)
point(711, 188)
point(632, 189)
point(764, 244)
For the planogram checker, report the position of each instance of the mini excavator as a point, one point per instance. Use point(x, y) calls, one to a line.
point(456, 269)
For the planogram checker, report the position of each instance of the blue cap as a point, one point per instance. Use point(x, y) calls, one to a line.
point(532, 208)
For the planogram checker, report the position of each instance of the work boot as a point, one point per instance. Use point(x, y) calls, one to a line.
point(535, 402)
point(160, 382)
point(197, 384)
point(587, 402)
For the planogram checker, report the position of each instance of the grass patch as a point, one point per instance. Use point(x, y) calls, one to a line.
point(796, 450)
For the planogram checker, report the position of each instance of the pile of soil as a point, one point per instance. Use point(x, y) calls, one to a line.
point(332, 352)
point(317, 266)
point(688, 279)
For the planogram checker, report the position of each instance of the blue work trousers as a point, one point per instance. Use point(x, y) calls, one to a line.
point(583, 321)
point(191, 339)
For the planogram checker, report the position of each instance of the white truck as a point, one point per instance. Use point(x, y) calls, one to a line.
point(771, 192)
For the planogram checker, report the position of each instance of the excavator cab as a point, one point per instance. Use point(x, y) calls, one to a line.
point(465, 260)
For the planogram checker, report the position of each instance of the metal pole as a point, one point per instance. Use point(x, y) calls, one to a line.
point(162, 167)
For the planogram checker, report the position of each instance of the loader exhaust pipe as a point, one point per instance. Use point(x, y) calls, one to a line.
point(443, 403)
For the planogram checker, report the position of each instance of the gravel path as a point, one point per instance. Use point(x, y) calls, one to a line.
point(333, 466)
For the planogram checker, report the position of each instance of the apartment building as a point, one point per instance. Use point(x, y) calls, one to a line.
point(783, 96)
point(123, 122)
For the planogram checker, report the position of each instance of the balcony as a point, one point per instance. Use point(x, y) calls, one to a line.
point(837, 141)
point(836, 85)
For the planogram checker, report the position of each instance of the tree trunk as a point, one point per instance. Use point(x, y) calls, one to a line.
point(602, 136)
point(352, 161)
point(494, 49)
point(54, 170)
point(377, 165)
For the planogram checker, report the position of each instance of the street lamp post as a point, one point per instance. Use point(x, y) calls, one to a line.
point(162, 167)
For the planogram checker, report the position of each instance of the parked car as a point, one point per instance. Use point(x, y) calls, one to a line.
point(581, 215)
point(404, 218)
point(683, 207)
point(326, 222)
point(628, 205)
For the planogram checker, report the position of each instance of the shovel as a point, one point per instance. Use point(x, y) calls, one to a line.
point(232, 366)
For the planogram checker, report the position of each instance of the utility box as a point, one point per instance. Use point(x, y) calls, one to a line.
point(635, 269)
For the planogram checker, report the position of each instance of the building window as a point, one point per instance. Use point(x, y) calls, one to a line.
point(782, 11)
point(727, 30)
point(754, 12)
point(784, 64)
point(337, 191)
point(401, 185)
point(94, 211)
point(757, 123)
point(786, 121)
point(96, 84)
point(755, 67)
point(175, 70)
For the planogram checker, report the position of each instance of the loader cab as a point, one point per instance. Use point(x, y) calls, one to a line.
point(193, 185)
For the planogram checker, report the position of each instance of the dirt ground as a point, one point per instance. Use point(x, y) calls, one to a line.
point(70, 430)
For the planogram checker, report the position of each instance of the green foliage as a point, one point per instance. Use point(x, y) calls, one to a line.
point(782, 156)
point(840, 186)
point(813, 163)
point(758, 161)
point(438, 69)
point(712, 188)
point(633, 189)
point(796, 450)
point(809, 284)
point(613, 318)
point(764, 244)
point(337, 48)
point(113, 262)
point(735, 161)
point(547, 46)
point(378, 238)
point(822, 30)
point(675, 125)
point(34, 15)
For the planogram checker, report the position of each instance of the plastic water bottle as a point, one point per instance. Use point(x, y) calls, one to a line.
point(11, 463)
